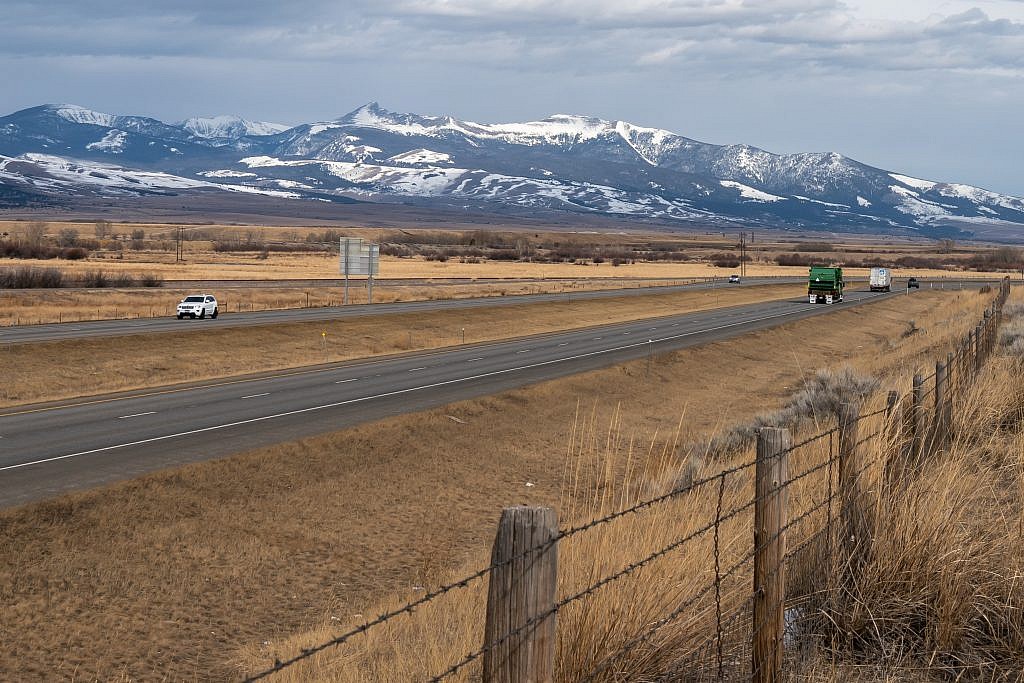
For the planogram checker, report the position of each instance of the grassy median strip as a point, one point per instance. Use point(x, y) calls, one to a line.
point(207, 349)
point(193, 573)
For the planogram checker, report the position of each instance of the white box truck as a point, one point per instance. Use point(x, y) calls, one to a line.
point(881, 280)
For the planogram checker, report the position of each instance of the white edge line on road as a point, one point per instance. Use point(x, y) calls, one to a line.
point(125, 417)
point(265, 393)
point(397, 392)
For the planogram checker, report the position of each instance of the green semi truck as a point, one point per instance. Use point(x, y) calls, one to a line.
point(825, 285)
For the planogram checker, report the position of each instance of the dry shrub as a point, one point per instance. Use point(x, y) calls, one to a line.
point(30, 277)
point(819, 399)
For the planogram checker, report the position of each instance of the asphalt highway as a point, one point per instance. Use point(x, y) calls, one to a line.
point(45, 451)
point(117, 328)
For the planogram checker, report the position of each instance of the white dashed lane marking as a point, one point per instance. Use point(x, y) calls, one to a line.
point(342, 381)
point(265, 393)
point(125, 417)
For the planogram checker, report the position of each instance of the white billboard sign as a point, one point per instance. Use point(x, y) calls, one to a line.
point(357, 257)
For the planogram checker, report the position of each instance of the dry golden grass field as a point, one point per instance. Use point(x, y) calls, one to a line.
point(154, 253)
point(66, 369)
point(531, 262)
point(200, 572)
point(36, 306)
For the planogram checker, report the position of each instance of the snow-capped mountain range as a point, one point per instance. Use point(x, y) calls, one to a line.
point(564, 163)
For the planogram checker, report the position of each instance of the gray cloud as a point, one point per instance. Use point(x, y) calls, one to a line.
point(788, 75)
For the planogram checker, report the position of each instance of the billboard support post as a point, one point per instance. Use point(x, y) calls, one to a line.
point(356, 257)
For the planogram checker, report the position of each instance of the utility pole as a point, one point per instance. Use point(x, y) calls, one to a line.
point(743, 255)
point(179, 254)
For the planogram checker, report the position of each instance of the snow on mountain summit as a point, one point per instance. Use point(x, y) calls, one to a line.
point(557, 128)
point(76, 114)
point(564, 162)
point(232, 127)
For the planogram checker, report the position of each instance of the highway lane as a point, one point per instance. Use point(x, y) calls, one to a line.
point(24, 334)
point(50, 450)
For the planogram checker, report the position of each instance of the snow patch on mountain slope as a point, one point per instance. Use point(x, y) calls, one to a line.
point(980, 196)
point(226, 173)
point(112, 142)
point(650, 143)
point(76, 114)
point(421, 156)
point(913, 182)
point(384, 179)
point(863, 202)
point(318, 128)
point(912, 204)
point(750, 193)
point(111, 179)
point(108, 175)
point(818, 201)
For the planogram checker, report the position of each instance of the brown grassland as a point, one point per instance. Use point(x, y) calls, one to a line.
point(66, 369)
point(30, 307)
point(155, 253)
point(551, 261)
point(210, 569)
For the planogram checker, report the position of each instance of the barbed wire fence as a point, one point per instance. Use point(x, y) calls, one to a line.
point(761, 603)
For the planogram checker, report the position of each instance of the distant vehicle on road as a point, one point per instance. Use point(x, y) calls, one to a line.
point(734, 278)
point(198, 306)
point(912, 283)
point(825, 285)
point(880, 280)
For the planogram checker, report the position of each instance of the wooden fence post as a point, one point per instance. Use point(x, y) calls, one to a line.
point(988, 336)
point(895, 424)
point(977, 349)
point(521, 591)
point(855, 528)
point(770, 514)
point(917, 421)
point(952, 389)
point(939, 427)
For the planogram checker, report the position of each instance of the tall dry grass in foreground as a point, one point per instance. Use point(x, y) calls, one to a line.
point(942, 593)
point(939, 595)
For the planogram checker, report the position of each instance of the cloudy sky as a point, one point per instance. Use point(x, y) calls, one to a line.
point(932, 89)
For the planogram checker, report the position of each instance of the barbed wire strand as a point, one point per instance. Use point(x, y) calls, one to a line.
point(408, 608)
point(593, 588)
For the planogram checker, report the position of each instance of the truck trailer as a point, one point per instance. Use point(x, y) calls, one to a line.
point(881, 280)
point(825, 285)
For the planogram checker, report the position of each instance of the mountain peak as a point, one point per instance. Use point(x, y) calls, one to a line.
point(368, 113)
point(77, 114)
point(229, 126)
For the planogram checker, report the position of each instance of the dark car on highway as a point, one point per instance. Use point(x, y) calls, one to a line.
point(912, 283)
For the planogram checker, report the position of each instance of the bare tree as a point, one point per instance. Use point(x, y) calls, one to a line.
point(102, 229)
point(68, 237)
point(35, 232)
point(947, 246)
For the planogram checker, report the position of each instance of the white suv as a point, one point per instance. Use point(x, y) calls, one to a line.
point(197, 306)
